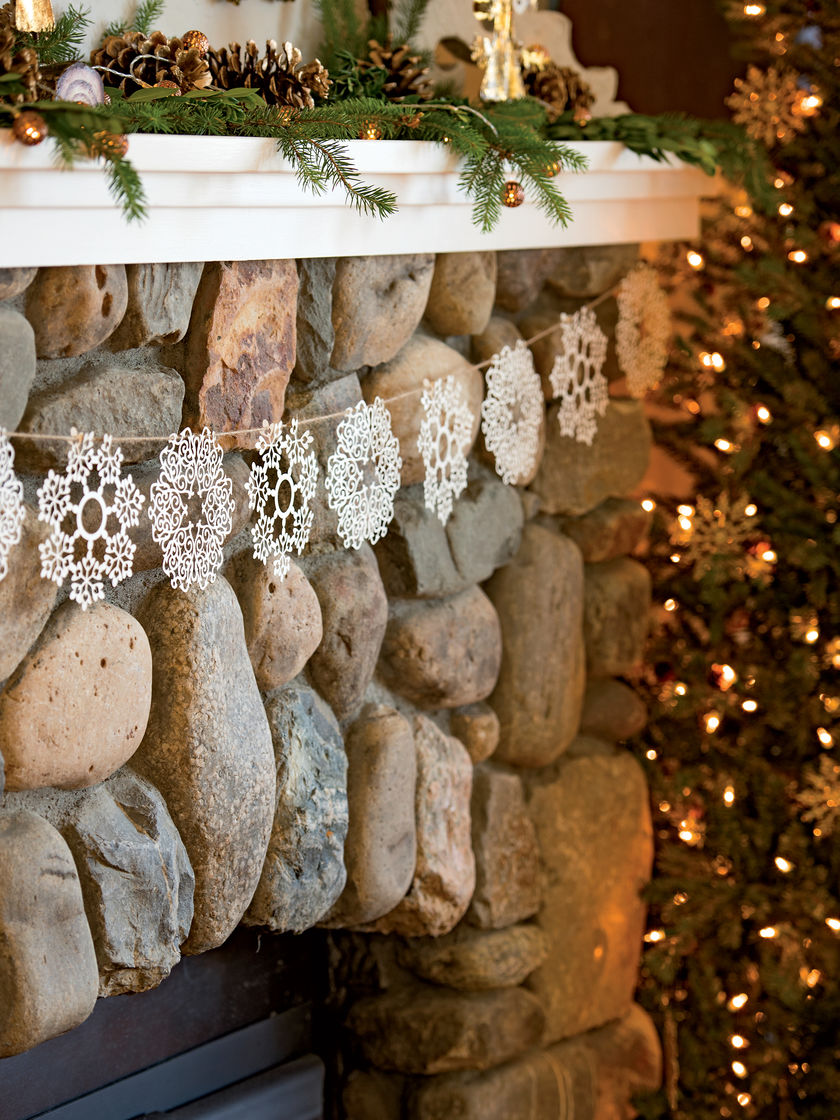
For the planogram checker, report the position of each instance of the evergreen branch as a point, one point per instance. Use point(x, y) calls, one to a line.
point(149, 13)
point(408, 19)
point(343, 30)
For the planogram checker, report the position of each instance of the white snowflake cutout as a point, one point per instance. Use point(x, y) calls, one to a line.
point(80, 506)
point(282, 494)
point(643, 330)
point(512, 412)
point(191, 508)
point(576, 377)
point(445, 437)
point(363, 473)
point(11, 503)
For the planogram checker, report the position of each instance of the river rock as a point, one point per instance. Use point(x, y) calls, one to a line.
point(471, 960)
point(574, 478)
point(498, 333)
point(48, 974)
point(76, 707)
point(433, 1030)
point(442, 653)
point(507, 860)
point(135, 875)
point(615, 528)
point(160, 300)
point(414, 556)
point(462, 293)
point(13, 281)
point(587, 271)
point(539, 600)
point(593, 825)
point(304, 872)
point(422, 358)
point(241, 345)
point(477, 727)
point(612, 710)
point(372, 1095)
point(616, 614)
point(381, 848)
point(26, 600)
point(444, 875)
point(142, 400)
point(73, 309)
point(545, 314)
point(315, 333)
point(282, 619)
point(17, 366)
point(355, 613)
point(208, 749)
point(521, 275)
point(485, 529)
point(377, 304)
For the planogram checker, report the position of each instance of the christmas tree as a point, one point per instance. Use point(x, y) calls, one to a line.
point(742, 965)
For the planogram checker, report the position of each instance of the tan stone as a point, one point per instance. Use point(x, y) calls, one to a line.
point(160, 299)
point(444, 876)
point(17, 367)
point(241, 345)
point(539, 694)
point(616, 614)
point(282, 618)
point(442, 653)
point(587, 271)
point(498, 333)
point(472, 960)
point(13, 281)
point(612, 710)
point(420, 359)
point(462, 293)
point(76, 707)
point(48, 973)
point(593, 825)
point(25, 599)
point(74, 309)
point(615, 528)
point(507, 860)
point(521, 275)
point(477, 726)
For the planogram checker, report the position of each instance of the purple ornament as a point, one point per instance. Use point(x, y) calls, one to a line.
point(82, 84)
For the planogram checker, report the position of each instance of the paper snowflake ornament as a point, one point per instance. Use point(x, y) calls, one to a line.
point(281, 486)
point(363, 474)
point(643, 330)
point(11, 503)
point(191, 508)
point(89, 510)
point(576, 377)
point(444, 441)
point(512, 412)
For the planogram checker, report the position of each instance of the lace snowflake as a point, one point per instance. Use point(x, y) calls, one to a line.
point(89, 510)
point(363, 473)
point(643, 330)
point(281, 486)
point(512, 412)
point(445, 437)
point(576, 377)
point(11, 503)
point(191, 508)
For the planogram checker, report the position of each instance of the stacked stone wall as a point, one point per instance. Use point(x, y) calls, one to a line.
point(413, 746)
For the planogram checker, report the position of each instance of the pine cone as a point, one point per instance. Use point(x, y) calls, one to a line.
point(22, 63)
point(121, 62)
point(560, 87)
point(406, 75)
point(278, 76)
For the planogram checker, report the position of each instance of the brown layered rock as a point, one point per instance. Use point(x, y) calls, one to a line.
point(160, 299)
point(462, 293)
point(76, 707)
point(48, 974)
point(74, 309)
point(539, 694)
point(477, 727)
point(472, 960)
point(13, 281)
point(442, 653)
point(615, 528)
point(377, 304)
point(587, 271)
point(444, 875)
point(17, 366)
point(25, 599)
point(241, 345)
point(616, 614)
point(208, 749)
point(612, 710)
point(521, 275)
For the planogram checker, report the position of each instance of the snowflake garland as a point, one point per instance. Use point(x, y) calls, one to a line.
point(363, 473)
point(576, 377)
point(512, 412)
point(281, 486)
point(643, 330)
point(11, 503)
point(445, 437)
point(78, 506)
point(191, 508)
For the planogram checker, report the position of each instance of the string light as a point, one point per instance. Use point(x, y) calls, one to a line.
point(784, 865)
point(750, 706)
point(685, 511)
point(753, 10)
point(785, 209)
point(833, 924)
point(743, 211)
point(769, 932)
point(812, 978)
point(811, 636)
point(649, 505)
point(825, 439)
point(654, 935)
point(833, 303)
point(825, 737)
point(711, 723)
point(712, 360)
point(798, 256)
point(779, 182)
point(723, 445)
point(762, 303)
point(738, 1001)
point(764, 414)
point(695, 260)
point(670, 605)
point(751, 510)
point(769, 556)
point(744, 1099)
point(738, 1041)
point(680, 689)
point(729, 795)
point(675, 558)
point(807, 104)
point(739, 1069)
point(651, 755)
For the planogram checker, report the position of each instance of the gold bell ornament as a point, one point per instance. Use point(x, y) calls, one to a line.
point(34, 15)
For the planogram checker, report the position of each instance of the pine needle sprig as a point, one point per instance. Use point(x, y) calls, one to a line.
point(408, 19)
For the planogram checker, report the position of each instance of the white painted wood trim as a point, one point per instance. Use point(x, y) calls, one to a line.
point(226, 198)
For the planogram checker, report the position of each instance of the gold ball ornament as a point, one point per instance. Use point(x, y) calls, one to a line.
point(370, 130)
point(512, 194)
point(109, 144)
point(166, 84)
point(29, 128)
point(195, 40)
point(552, 169)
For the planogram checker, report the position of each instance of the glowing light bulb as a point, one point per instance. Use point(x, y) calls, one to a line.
point(833, 303)
point(825, 440)
point(738, 1041)
point(779, 182)
point(785, 209)
point(811, 636)
point(696, 260)
point(711, 722)
point(833, 924)
point(813, 977)
point(739, 1069)
point(750, 706)
point(768, 932)
point(675, 558)
point(769, 556)
point(743, 211)
point(685, 524)
point(808, 104)
point(751, 510)
point(738, 1001)
point(825, 737)
point(651, 754)
point(654, 935)
point(764, 414)
point(723, 445)
point(798, 256)
point(744, 1099)
point(763, 303)
point(784, 865)
point(727, 676)
point(729, 796)
point(670, 605)
point(747, 243)
point(648, 505)
point(753, 10)
point(680, 689)
point(685, 510)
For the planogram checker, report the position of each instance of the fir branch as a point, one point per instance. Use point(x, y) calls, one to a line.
point(408, 19)
point(343, 29)
point(63, 42)
point(148, 13)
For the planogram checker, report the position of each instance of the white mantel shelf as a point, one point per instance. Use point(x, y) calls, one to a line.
point(225, 198)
